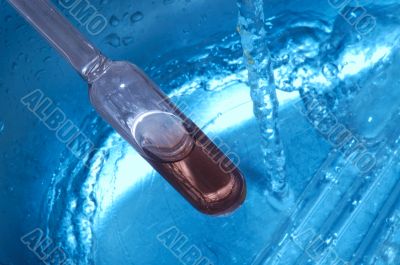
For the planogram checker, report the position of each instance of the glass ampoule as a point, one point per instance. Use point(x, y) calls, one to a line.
point(144, 116)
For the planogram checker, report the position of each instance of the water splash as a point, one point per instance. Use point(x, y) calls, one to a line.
point(253, 32)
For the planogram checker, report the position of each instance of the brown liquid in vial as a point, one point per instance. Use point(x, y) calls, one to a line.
point(205, 177)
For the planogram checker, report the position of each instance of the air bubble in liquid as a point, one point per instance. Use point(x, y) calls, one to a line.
point(114, 40)
point(330, 70)
point(114, 21)
point(136, 17)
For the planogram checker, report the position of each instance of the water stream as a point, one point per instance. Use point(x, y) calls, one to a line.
point(254, 37)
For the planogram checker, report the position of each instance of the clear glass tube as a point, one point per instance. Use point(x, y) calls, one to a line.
point(68, 41)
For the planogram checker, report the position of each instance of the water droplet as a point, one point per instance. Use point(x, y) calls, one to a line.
point(125, 15)
point(137, 16)
point(330, 70)
point(114, 40)
point(114, 21)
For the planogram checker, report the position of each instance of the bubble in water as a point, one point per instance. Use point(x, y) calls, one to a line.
point(114, 40)
point(136, 17)
point(330, 70)
point(114, 21)
point(1, 127)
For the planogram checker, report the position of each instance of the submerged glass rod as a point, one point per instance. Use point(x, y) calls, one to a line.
point(144, 116)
